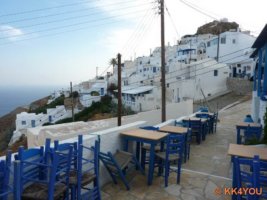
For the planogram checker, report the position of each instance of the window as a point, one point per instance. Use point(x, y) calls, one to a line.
point(238, 65)
point(168, 85)
point(223, 40)
point(23, 122)
point(216, 72)
point(233, 41)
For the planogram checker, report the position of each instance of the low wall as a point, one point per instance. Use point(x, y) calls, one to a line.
point(36, 136)
point(239, 86)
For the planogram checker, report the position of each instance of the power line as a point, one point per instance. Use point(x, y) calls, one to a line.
point(49, 8)
point(70, 12)
point(75, 24)
point(60, 33)
point(198, 10)
point(140, 35)
point(172, 21)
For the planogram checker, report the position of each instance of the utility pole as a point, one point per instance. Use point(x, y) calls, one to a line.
point(163, 81)
point(96, 72)
point(72, 102)
point(218, 46)
point(119, 90)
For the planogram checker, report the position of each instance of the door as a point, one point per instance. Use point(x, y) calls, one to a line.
point(33, 123)
point(234, 71)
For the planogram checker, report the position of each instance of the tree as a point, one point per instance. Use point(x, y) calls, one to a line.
point(113, 62)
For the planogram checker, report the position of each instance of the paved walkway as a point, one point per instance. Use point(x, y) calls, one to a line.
point(209, 168)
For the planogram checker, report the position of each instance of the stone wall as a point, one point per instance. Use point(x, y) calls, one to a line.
point(239, 86)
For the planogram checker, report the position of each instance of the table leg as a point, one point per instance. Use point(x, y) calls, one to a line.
point(234, 184)
point(185, 148)
point(238, 139)
point(137, 153)
point(151, 164)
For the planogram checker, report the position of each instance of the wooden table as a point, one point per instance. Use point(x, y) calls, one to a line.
point(204, 125)
point(177, 130)
point(173, 129)
point(195, 119)
point(144, 136)
point(246, 151)
point(243, 126)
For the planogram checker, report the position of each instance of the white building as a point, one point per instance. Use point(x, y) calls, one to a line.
point(26, 120)
point(234, 49)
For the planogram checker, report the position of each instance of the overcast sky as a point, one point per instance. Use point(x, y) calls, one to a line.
point(53, 42)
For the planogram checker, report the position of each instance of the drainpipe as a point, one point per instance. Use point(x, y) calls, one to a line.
point(265, 73)
point(259, 72)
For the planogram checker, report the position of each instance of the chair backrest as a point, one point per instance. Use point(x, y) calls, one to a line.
point(261, 176)
point(181, 123)
point(252, 133)
point(175, 144)
point(246, 171)
point(203, 109)
point(28, 169)
point(32, 166)
point(88, 165)
point(150, 128)
point(5, 170)
point(195, 124)
point(64, 148)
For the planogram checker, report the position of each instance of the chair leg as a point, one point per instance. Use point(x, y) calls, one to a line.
point(113, 177)
point(179, 171)
point(124, 180)
point(167, 171)
point(73, 192)
point(143, 158)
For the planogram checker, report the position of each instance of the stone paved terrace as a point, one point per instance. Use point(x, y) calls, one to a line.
point(209, 167)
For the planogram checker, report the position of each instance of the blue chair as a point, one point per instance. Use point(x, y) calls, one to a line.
point(196, 129)
point(246, 176)
point(174, 152)
point(31, 167)
point(252, 133)
point(209, 122)
point(62, 148)
point(88, 171)
point(261, 176)
point(6, 189)
point(203, 109)
point(188, 138)
point(248, 119)
point(117, 164)
point(146, 148)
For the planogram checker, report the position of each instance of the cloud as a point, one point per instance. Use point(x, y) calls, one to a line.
point(9, 32)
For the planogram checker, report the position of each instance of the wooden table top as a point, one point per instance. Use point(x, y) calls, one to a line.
point(245, 124)
point(145, 134)
point(173, 129)
point(195, 119)
point(247, 151)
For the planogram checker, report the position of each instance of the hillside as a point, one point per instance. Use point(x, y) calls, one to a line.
point(7, 126)
point(216, 27)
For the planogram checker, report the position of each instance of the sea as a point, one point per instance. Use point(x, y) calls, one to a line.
point(12, 97)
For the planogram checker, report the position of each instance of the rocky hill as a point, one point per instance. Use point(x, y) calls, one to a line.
point(7, 126)
point(216, 27)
